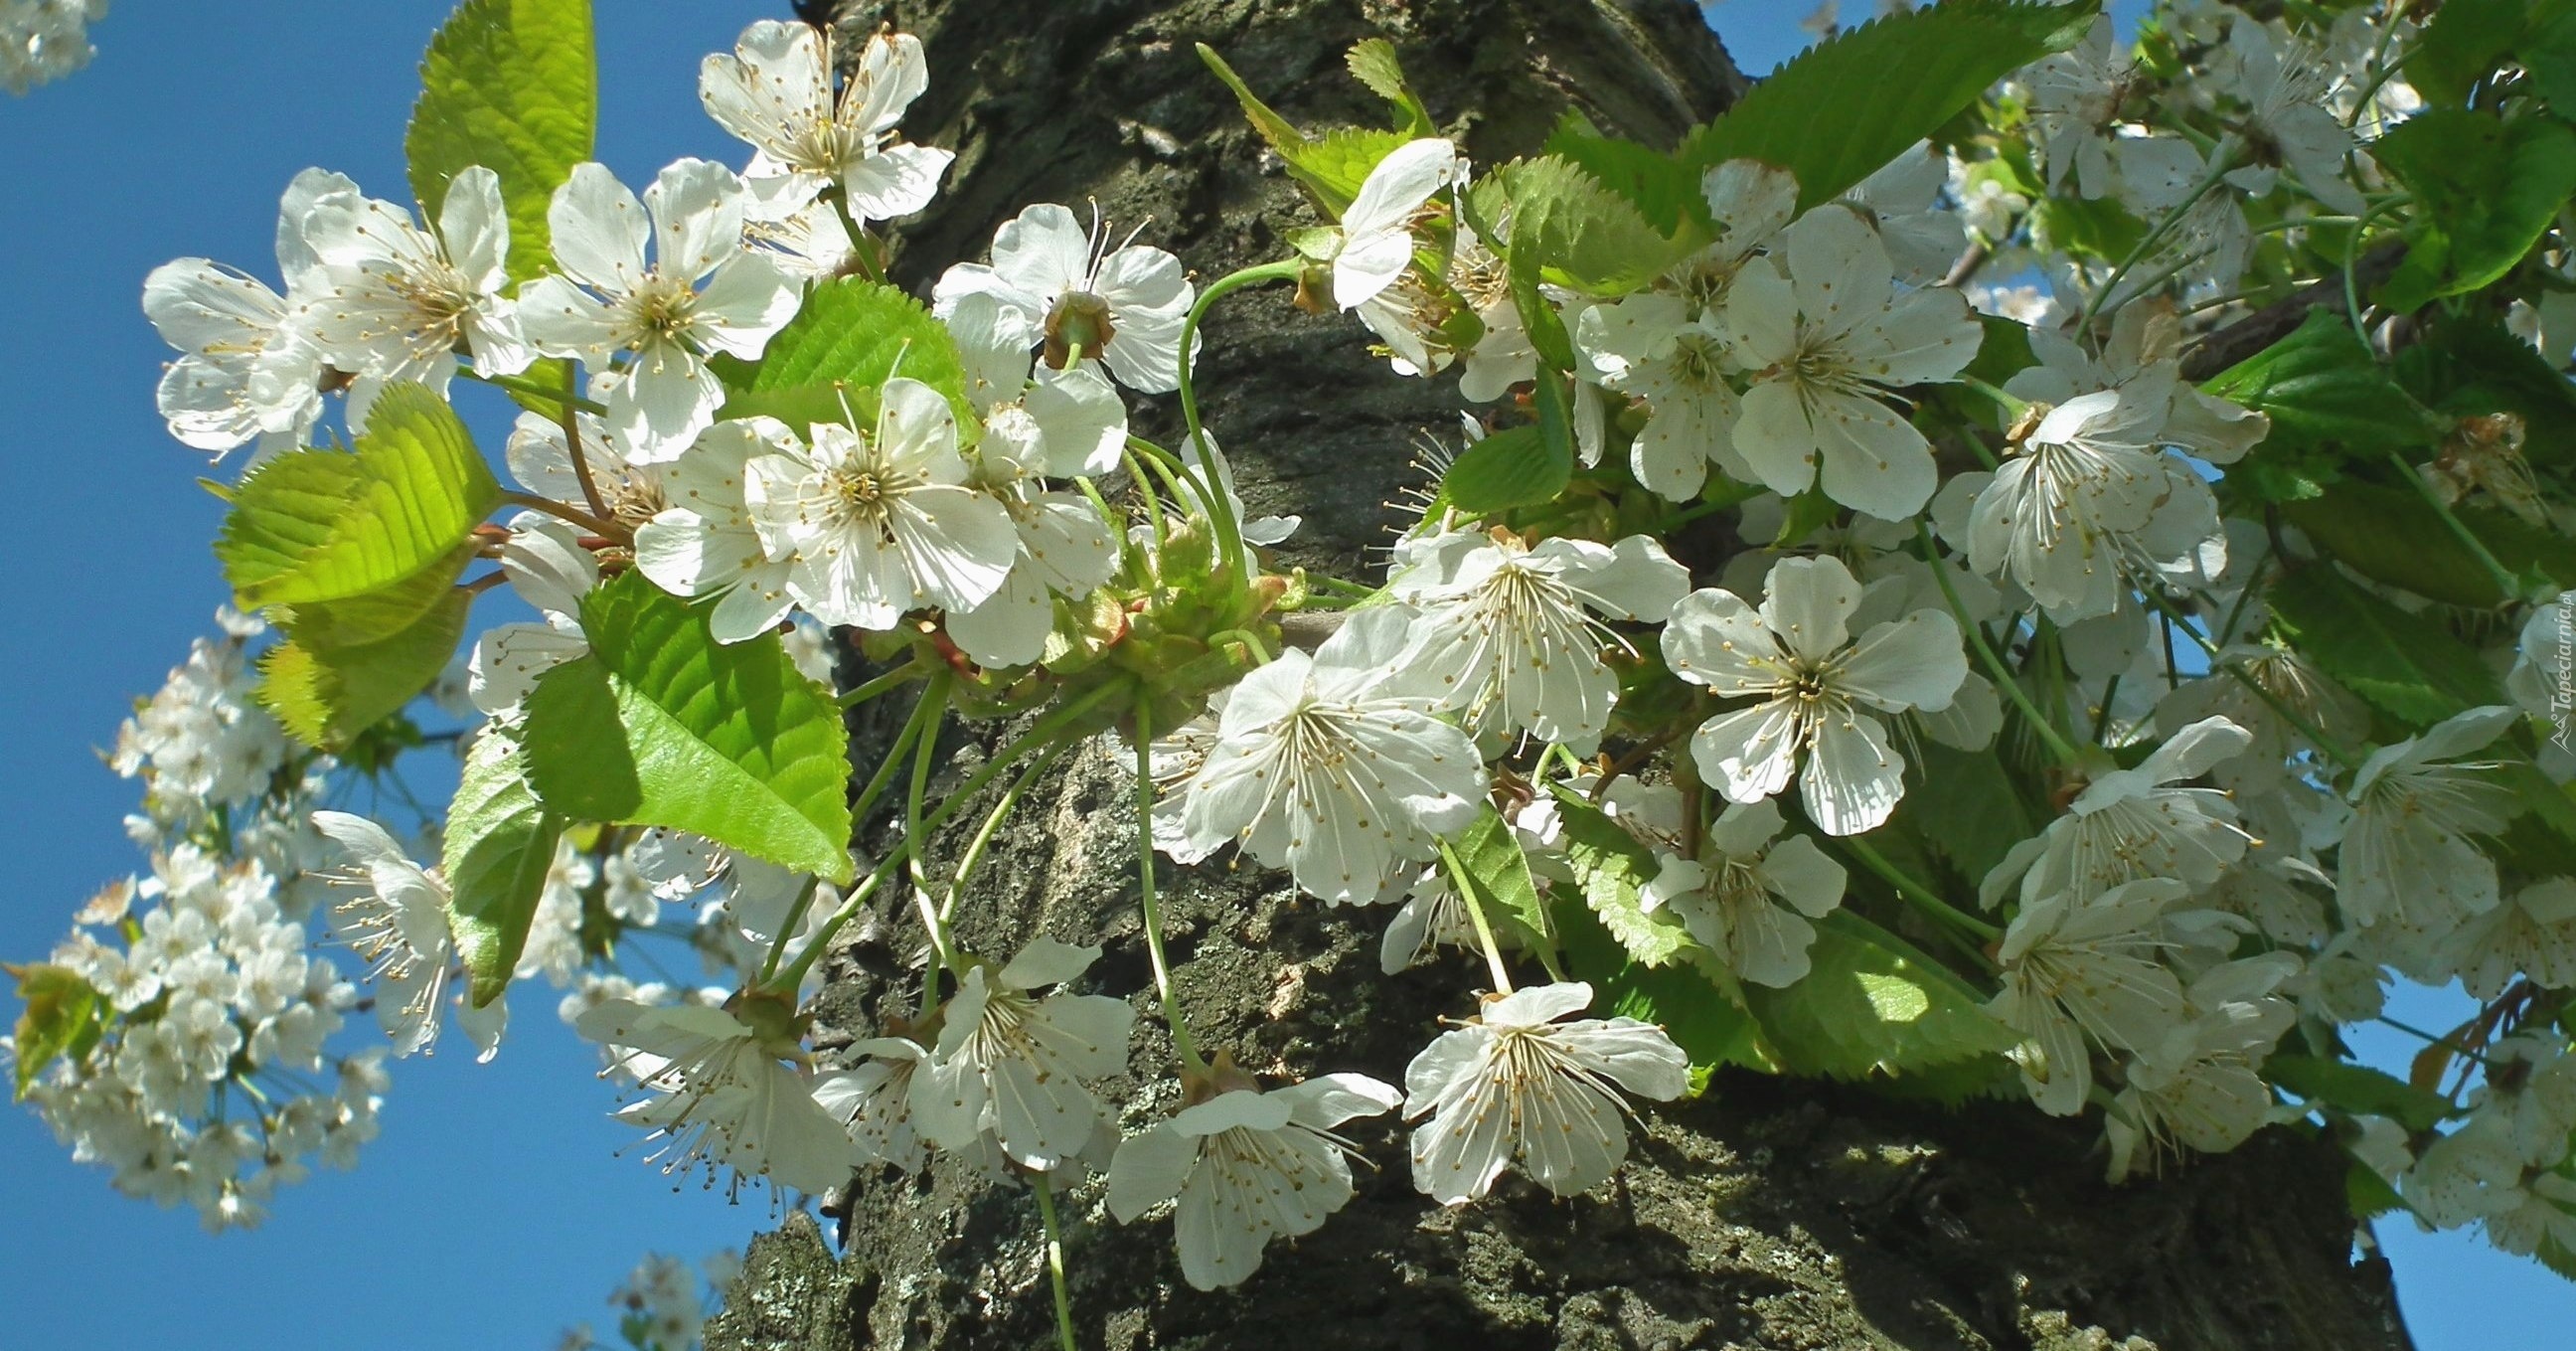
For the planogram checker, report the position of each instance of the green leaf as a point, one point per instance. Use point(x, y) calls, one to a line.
point(1613, 869)
point(2467, 367)
point(1805, 514)
point(1514, 467)
point(2393, 535)
point(330, 526)
point(2404, 664)
point(1699, 1014)
point(2323, 387)
point(509, 85)
point(2369, 1194)
point(2463, 43)
point(2485, 191)
point(1372, 62)
point(327, 693)
point(2358, 1089)
point(1581, 233)
point(1967, 810)
point(64, 1016)
point(1873, 1003)
point(500, 844)
point(661, 725)
point(2548, 53)
point(1844, 108)
point(1498, 874)
point(851, 337)
point(1664, 190)
point(2003, 350)
point(377, 615)
point(1333, 166)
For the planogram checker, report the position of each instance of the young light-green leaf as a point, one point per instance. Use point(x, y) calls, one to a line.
point(1499, 872)
point(1514, 467)
point(317, 526)
point(1844, 108)
point(1331, 166)
point(1662, 189)
point(1583, 234)
point(1874, 1004)
point(510, 85)
point(661, 725)
point(327, 693)
point(850, 338)
point(1613, 869)
point(500, 844)
point(1687, 1000)
point(64, 1016)
point(1372, 62)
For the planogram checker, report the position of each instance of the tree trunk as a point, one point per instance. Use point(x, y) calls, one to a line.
point(1767, 1214)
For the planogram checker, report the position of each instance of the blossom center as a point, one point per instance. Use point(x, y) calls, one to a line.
point(1079, 319)
point(663, 306)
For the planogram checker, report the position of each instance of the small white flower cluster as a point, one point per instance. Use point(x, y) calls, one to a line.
point(200, 1086)
point(202, 740)
point(45, 40)
point(662, 1305)
point(192, 1076)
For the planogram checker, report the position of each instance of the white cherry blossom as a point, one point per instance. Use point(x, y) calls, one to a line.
point(2405, 856)
point(1328, 765)
point(1246, 1166)
point(1065, 548)
point(1009, 1064)
point(1924, 238)
point(393, 301)
point(1064, 286)
point(2199, 1089)
point(2130, 824)
point(881, 523)
point(2283, 82)
point(399, 928)
point(1518, 1082)
point(1818, 688)
point(1827, 341)
point(719, 1095)
point(1650, 346)
point(1374, 243)
point(541, 460)
point(2078, 965)
point(702, 293)
point(2532, 933)
point(707, 543)
point(1749, 894)
point(1514, 632)
point(775, 91)
point(874, 1100)
point(547, 567)
point(245, 371)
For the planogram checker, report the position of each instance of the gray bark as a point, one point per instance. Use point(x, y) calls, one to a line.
point(1767, 1214)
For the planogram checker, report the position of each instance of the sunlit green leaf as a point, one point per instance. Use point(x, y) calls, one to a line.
point(661, 725)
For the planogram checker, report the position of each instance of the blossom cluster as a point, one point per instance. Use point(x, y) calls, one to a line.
point(1891, 600)
point(45, 40)
point(200, 1010)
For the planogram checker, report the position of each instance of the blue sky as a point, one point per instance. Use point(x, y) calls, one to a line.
point(492, 1212)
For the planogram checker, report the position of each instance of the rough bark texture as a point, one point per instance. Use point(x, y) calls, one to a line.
point(1767, 1214)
